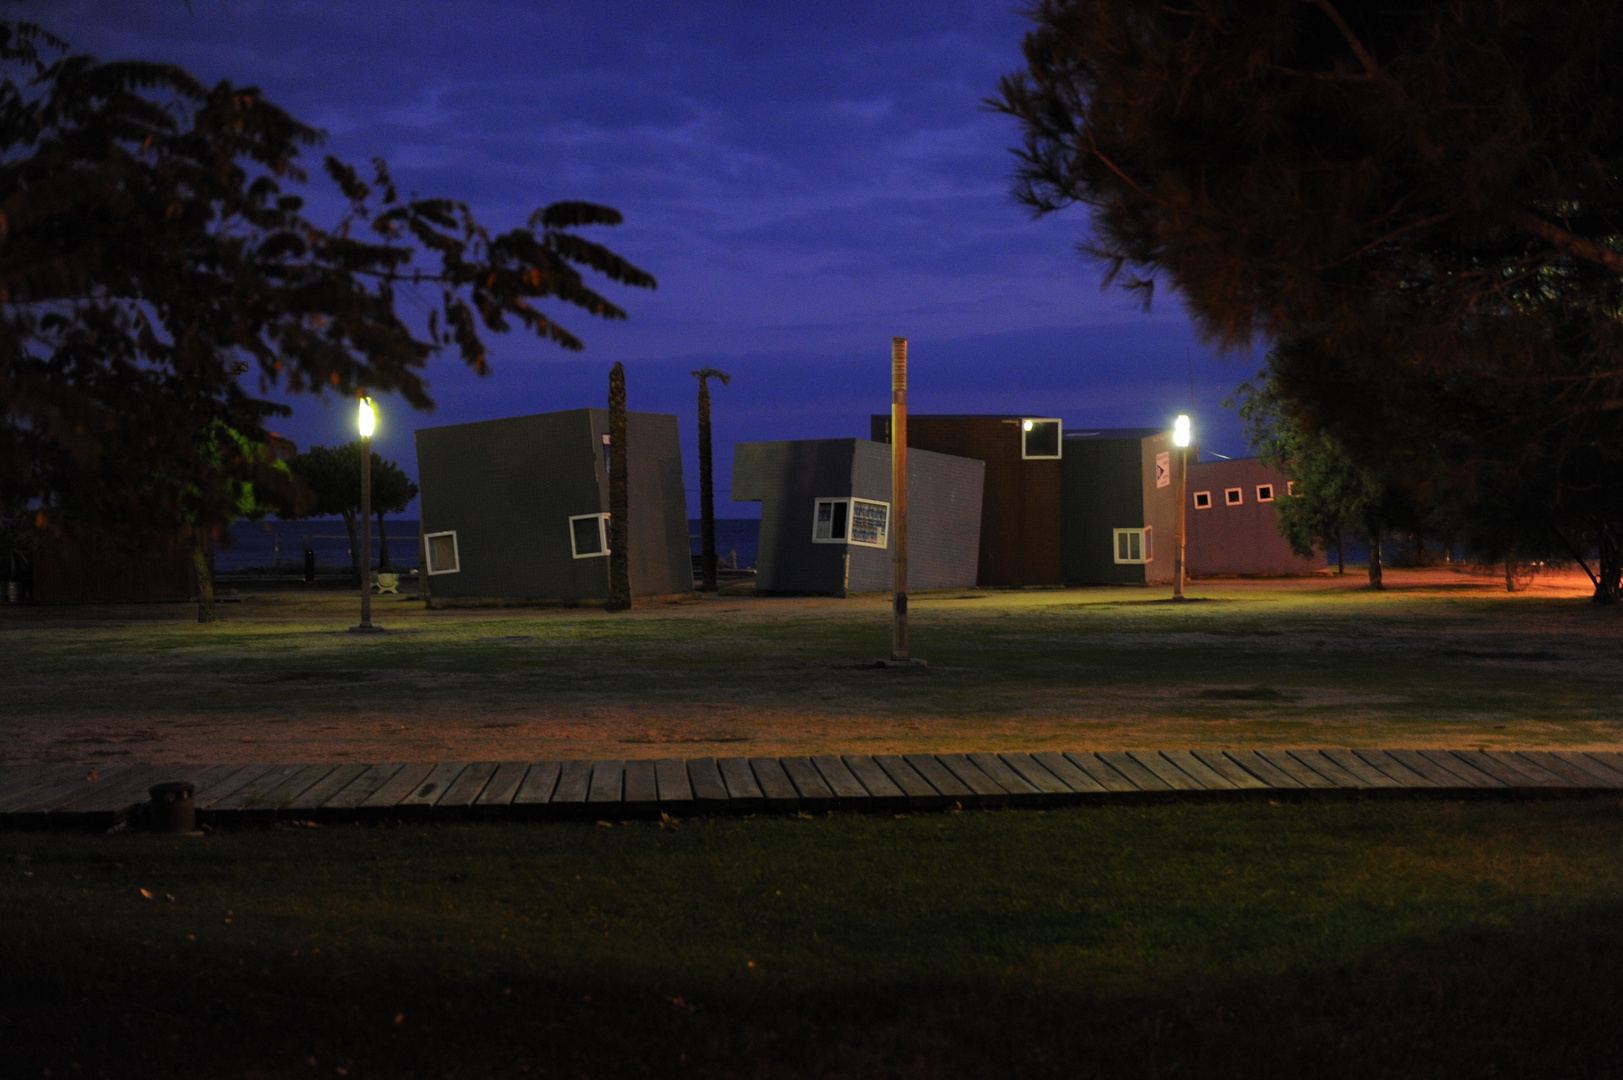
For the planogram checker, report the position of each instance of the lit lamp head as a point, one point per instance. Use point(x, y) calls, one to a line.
point(1180, 431)
point(1027, 426)
point(367, 418)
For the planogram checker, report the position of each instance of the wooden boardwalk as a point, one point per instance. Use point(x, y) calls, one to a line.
point(620, 788)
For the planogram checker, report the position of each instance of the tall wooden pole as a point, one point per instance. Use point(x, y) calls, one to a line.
point(366, 530)
point(898, 494)
point(1177, 559)
point(619, 497)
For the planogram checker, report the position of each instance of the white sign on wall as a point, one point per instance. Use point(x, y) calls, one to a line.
point(1163, 469)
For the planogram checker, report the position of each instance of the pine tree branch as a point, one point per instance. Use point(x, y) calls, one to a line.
point(1370, 66)
point(1566, 242)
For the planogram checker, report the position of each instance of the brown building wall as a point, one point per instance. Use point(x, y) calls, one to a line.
point(1020, 509)
point(1243, 538)
point(86, 566)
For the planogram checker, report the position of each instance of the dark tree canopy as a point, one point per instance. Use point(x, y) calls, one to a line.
point(151, 240)
point(1421, 202)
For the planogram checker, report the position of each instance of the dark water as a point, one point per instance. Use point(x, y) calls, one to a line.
point(258, 544)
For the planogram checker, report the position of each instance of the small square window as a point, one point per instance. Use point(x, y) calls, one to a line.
point(1039, 438)
point(589, 535)
point(1203, 500)
point(830, 521)
point(1133, 545)
point(1265, 493)
point(1233, 496)
point(854, 521)
point(443, 556)
point(1290, 488)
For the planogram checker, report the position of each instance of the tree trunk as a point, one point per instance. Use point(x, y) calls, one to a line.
point(1510, 573)
point(619, 500)
point(1608, 568)
point(383, 543)
point(1341, 556)
point(1375, 556)
point(205, 580)
point(354, 545)
point(707, 494)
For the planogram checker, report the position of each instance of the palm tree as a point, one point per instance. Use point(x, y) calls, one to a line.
point(707, 491)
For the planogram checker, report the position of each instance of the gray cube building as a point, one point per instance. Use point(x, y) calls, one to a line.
point(518, 508)
point(825, 515)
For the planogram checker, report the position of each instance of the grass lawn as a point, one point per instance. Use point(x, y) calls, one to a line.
point(1348, 939)
point(1440, 659)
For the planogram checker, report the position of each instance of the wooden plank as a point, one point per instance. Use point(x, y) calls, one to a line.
point(1454, 766)
point(1269, 773)
point(1053, 789)
point(539, 785)
point(779, 793)
point(363, 786)
point(743, 793)
point(503, 785)
point(608, 782)
point(1220, 764)
point(709, 789)
point(65, 786)
point(398, 786)
point(815, 794)
point(1541, 776)
point(1164, 771)
point(642, 789)
point(1505, 774)
point(1328, 769)
point(1394, 768)
point(841, 781)
point(432, 788)
point(948, 786)
point(1416, 762)
point(129, 791)
point(675, 788)
point(226, 783)
point(1099, 772)
point(1598, 758)
point(883, 791)
point(306, 778)
point(987, 792)
point(1201, 773)
point(251, 796)
point(1021, 792)
point(1134, 773)
point(466, 788)
point(1576, 774)
point(1367, 774)
point(1067, 773)
point(19, 780)
point(915, 788)
point(574, 785)
point(1283, 762)
point(314, 796)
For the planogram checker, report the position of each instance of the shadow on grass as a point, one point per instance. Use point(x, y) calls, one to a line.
point(1537, 1001)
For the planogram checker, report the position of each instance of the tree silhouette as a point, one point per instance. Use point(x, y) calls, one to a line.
point(707, 493)
point(329, 485)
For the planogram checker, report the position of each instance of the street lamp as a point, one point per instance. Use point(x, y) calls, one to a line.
point(1180, 439)
point(366, 421)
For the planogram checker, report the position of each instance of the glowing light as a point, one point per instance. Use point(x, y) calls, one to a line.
point(367, 418)
point(1027, 426)
point(1180, 431)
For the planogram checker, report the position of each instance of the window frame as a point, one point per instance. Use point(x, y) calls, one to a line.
point(602, 535)
point(1234, 496)
point(1265, 498)
point(1059, 438)
point(428, 553)
point(1290, 489)
point(850, 502)
point(1146, 545)
point(1199, 495)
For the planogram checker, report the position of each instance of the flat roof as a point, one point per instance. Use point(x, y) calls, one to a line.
point(1116, 433)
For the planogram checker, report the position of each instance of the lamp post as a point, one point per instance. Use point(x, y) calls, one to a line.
point(366, 420)
point(1180, 439)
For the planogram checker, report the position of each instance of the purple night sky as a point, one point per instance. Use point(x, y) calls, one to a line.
point(803, 187)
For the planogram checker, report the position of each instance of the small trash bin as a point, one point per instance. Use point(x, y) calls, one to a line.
point(172, 810)
point(309, 564)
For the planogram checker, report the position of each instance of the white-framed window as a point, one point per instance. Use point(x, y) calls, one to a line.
point(1265, 493)
point(1134, 545)
point(851, 521)
point(1290, 489)
point(589, 535)
point(1233, 496)
point(1040, 438)
point(443, 556)
point(1203, 500)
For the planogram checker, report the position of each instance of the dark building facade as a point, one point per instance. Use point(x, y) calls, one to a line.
point(1119, 498)
point(1020, 509)
point(1233, 521)
point(84, 564)
point(518, 508)
point(826, 515)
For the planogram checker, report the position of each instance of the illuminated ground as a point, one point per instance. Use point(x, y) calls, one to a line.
point(1440, 659)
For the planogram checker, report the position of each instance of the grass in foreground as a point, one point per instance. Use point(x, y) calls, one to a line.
point(1338, 939)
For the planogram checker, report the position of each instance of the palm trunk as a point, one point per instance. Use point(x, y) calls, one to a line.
point(707, 495)
point(205, 580)
point(619, 500)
